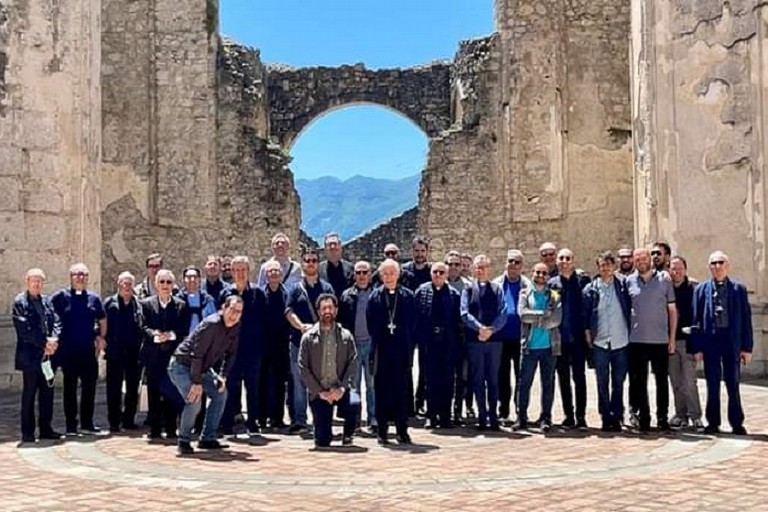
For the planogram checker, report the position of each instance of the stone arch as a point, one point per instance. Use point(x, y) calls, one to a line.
point(299, 95)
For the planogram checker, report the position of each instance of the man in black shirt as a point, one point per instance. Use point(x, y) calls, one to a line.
point(336, 271)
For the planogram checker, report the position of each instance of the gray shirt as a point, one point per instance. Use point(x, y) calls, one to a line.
point(459, 284)
point(650, 316)
point(361, 320)
point(329, 377)
point(611, 327)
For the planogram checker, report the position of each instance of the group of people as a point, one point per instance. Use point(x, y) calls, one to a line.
point(313, 334)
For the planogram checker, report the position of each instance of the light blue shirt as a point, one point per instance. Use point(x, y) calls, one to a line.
point(612, 332)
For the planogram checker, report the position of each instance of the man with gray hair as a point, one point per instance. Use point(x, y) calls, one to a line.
point(281, 252)
point(125, 330)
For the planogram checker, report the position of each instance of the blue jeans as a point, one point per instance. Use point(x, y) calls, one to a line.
point(299, 416)
point(544, 359)
point(364, 368)
point(484, 362)
point(610, 370)
point(182, 378)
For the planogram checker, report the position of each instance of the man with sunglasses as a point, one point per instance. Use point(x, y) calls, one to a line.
point(438, 324)
point(722, 338)
point(511, 282)
point(146, 288)
point(463, 392)
point(548, 256)
point(82, 313)
point(626, 261)
point(352, 316)
point(301, 313)
point(571, 364)
point(661, 254)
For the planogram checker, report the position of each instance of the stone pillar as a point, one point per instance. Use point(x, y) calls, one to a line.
point(699, 80)
point(50, 140)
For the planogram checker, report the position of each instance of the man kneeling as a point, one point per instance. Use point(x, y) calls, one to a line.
point(327, 361)
point(192, 371)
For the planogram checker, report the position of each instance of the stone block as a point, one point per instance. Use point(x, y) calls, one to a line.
point(9, 194)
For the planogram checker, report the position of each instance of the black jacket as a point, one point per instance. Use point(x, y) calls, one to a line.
point(347, 272)
point(174, 318)
point(211, 342)
point(32, 330)
point(119, 342)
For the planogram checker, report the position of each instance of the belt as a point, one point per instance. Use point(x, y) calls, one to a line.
point(438, 330)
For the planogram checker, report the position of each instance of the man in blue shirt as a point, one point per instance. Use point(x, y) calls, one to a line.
point(84, 328)
point(511, 282)
point(484, 313)
point(213, 284)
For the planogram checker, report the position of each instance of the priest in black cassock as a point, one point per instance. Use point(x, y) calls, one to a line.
point(438, 326)
point(391, 324)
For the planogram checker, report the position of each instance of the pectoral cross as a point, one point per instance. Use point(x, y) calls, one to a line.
point(391, 326)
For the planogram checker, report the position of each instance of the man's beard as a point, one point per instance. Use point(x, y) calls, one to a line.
point(327, 320)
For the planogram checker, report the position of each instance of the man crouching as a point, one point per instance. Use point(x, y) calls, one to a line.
point(192, 371)
point(327, 361)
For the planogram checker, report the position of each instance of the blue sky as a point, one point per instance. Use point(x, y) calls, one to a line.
point(366, 140)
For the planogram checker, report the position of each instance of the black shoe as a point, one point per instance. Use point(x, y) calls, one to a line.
point(581, 424)
point(171, 435)
point(458, 421)
point(51, 434)
point(711, 430)
point(346, 441)
point(382, 440)
point(494, 427)
point(607, 426)
point(644, 426)
point(131, 426)
point(154, 435)
point(446, 424)
point(297, 429)
point(471, 414)
point(90, 429)
point(71, 432)
point(568, 422)
point(28, 439)
point(114, 429)
point(739, 431)
point(545, 426)
point(404, 439)
point(520, 425)
point(373, 429)
point(212, 444)
point(616, 425)
point(663, 426)
point(278, 425)
point(481, 427)
point(254, 429)
point(184, 448)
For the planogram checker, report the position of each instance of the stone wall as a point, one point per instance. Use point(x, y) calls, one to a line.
point(369, 246)
point(297, 96)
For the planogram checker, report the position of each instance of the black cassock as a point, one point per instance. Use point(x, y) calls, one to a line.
point(391, 323)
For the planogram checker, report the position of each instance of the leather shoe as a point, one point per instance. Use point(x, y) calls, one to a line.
point(52, 434)
point(404, 439)
point(184, 448)
point(212, 444)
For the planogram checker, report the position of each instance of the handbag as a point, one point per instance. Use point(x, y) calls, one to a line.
point(143, 395)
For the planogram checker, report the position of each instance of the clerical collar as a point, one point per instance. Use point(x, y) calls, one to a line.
point(77, 292)
point(163, 303)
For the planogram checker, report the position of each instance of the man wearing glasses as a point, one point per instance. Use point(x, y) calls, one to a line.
point(82, 313)
point(626, 261)
point(352, 316)
point(661, 254)
point(281, 252)
point(722, 337)
point(336, 270)
point(511, 282)
point(301, 313)
point(571, 364)
point(548, 255)
point(146, 288)
point(463, 393)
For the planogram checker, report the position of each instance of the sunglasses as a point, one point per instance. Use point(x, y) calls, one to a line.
point(717, 263)
point(154, 265)
point(540, 273)
point(390, 254)
point(311, 260)
point(79, 274)
point(656, 253)
point(165, 281)
point(626, 257)
point(438, 272)
point(548, 254)
point(454, 264)
point(514, 262)
point(564, 258)
point(361, 272)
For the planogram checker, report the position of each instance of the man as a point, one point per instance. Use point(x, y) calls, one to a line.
point(651, 339)
point(392, 251)
point(606, 326)
point(146, 288)
point(327, 361)
point(540, 313)
point(463, 392)
point(466, 265)
point(414, 274)
point(281, 250)
point(511, 282)
point(37, 333)
point(81, 312)
point(571, 364)
point(391, 323)
point(125, 331)
point(682, 363)
point(226, 268)
point(548, 256)
point(301, 313)
point(722, 320)
point(166, 323)
point(247, 365)
point(275, 368)
point(626, 261)
point(336, 271)
point(213, 284)
point(484, 314)
point(192, 370)
point(352, 316)
point(199, 304)
point(661, 253)
point(438, 324)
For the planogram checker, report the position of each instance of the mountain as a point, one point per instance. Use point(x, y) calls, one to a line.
point(353, 206)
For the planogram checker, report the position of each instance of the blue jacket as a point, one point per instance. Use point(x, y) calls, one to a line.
point(474, 316)
point(591, 301)
point(739, 318)
point(32, 330)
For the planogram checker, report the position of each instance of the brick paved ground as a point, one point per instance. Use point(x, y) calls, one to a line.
point(459, 470)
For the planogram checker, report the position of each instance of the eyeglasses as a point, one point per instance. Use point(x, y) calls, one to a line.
point(274, 271)
point(361, 272)
point(165, 281)
point(564, 258)
point(390, 254)
point(540, 273)
point(547, 254)
point(626, 257)
point(311, 260)
point(717, 263)
point(438, 272)
point(656, 253)
point(454, 264)
point(154, 265)
point(79, 274)
point(514, 262)
point(192, 276)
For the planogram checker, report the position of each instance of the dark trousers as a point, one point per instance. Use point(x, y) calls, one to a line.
point(545, 361)
point(484, 362)
point(721, 363)
point(439, 372)
point(421, 382)
point(640, 354)
point(245, 372)
point(571, 364)
point(510, 360)
point(124, 368)
point(84, 369)
point(322, 414)
point(165, 402)
point(34, 384)
point(273, 376)
point(462, 389)
point(611, 370)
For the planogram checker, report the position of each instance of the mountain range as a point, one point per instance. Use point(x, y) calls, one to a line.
point(353, 206)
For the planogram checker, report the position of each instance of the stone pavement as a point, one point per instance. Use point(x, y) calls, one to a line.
point(444, 470)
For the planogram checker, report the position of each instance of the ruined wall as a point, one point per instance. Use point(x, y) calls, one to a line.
point(50, 142)
point(297, 96)
point(698, 98)
point(369, 246)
